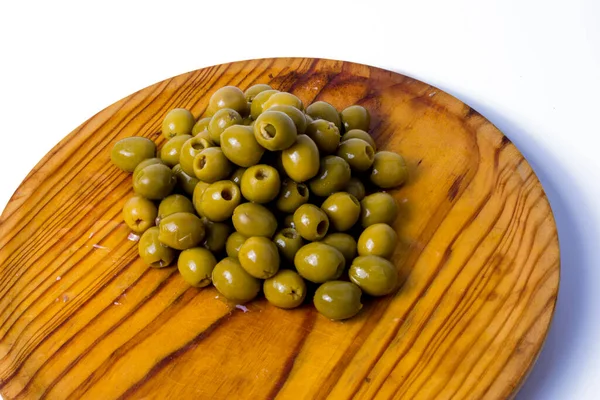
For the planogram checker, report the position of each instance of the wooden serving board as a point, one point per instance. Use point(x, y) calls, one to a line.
point(81, 316)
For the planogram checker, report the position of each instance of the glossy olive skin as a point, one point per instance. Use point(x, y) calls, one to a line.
point(291, 196)
point(274, 130)
point(178, 121)
point(283, 99)
point(145, 163)
point(189, 150)
point(251, 219)
point(301, 160)
point(228, 97)
point(233, 282)
point(181, 231)
point(185, 182)
point(342, 209)
point(260, 183)
point(344, 243)
point(211, 165)
point(154, 182)
point(359, 134)
point(356, 188)
point(338, 300)
point(378, 208)
point(389, 170)
point(254, 90)
point(319, 262)
point(296, 115)
point(259, 257)
point(324, 110)
point(288, 241)
point(216, 236)
point(240, 146)
point(219, 200)
point(152, 251)
point(374, 275)
point(325, 135)
point(197, 196)
point(139, 214)
point(234, 243)
point(127, 153)
point(357, 153)
point(286, 289)
point(311, 222)
point(334, 174)
point(200, 126)
point(173, 204)
point(222, 120)
point(355, 117)
point(236, 177)
point(196, 265)
point(256, 107)
point(377, 240)
point(169, 153)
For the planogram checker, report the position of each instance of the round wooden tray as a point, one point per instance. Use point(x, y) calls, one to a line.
point(82, 317)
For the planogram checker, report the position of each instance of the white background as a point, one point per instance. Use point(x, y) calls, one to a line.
point(530, 66)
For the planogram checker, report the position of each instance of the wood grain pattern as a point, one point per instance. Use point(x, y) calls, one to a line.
point(82, 317)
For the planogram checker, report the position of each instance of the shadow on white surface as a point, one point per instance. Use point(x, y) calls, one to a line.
point(559, 352)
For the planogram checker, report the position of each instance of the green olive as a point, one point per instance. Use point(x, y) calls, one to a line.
point(240, 146)
point(171, 150)
point(185, 182)
point(178, 121)
point(234, 243)
point(389, 170)
point(274, 130)
point(344, 243)
point(254, 90)
point(127, 153)
point(173, 204)
point(377, 240)
point(342, 209)
point(338, 300)
point(256, 107)
point(216, 236)
point(219, 200)
point(154, 182)
point(211, 165)
point(144, 164)
point(196, 265)
point(311, 222)
point(197, 196)
point(356, 117)
point(181, 231)
point(325, 135)
point(236, 177)
point(378, 208)
point(357, 153)
point(286, 289)
point(228, 97)
point(283, 99)
point(301, 160)
point(359, 134)
point(222, 120)
point(251, 219)
point(152, 251)
point(259, 257)
point(324, 110)
point(260, 183)
point(374, 275)
point(139, 214)
point(291, 196)
point(233, 282)
point(200, 126)
point(190, 149)
point(334, 174)
point(288, 241)
point(319, 262)
point(356, 188)
point(296, 115)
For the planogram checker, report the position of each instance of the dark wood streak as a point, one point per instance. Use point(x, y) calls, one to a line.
point(455, 187)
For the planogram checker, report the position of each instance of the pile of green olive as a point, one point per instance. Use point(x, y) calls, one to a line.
point(261, 194)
